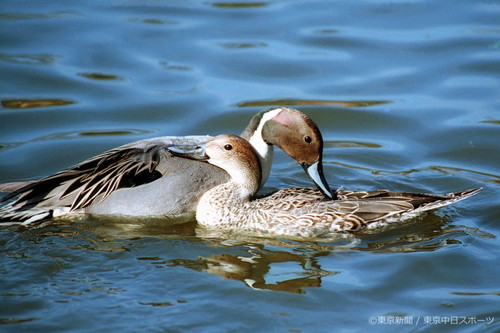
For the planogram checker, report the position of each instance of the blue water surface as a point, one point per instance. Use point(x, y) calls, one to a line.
point(406, 94)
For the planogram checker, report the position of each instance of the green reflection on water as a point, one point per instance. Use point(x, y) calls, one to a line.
point(100, 76)
point(292, 102)
point(495, 122)
point(239, 4)
point(34, 103)
point(242, 45)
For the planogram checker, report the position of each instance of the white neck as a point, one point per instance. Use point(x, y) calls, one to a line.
point(264, 151)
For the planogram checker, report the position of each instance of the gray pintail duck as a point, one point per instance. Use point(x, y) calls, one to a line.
point(143, 179)
point(295, 212)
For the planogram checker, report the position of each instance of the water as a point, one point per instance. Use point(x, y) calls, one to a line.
point(405, 93)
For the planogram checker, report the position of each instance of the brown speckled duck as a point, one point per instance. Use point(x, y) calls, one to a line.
point(295, 212)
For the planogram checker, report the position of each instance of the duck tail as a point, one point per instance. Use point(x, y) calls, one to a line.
point(11, 215)
point(447, 199)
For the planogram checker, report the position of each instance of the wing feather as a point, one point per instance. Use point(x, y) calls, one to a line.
point(94, 178)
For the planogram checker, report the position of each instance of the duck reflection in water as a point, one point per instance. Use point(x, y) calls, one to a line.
point(256, 270)
point(259, 263)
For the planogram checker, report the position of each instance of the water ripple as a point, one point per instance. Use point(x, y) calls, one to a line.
point(239, 4)
point(297, 102)
point(101, 76)
point(29, 59)
point(34, 103)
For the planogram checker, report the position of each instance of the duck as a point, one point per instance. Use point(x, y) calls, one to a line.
point(295, 212)
point(144, 179)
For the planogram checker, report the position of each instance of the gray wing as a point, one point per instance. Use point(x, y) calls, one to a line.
point(14, 186)
point(79, 186)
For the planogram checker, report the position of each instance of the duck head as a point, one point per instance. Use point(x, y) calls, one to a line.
point(296, 134)
point(231, 153)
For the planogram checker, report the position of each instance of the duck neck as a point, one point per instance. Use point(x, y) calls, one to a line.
point(253, 133)
point(244, 181)
point(222, 204)
point(230, 194)
point(265, 153)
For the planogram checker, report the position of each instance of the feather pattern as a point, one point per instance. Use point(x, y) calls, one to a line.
point(304, 212)
point(299, 212)
point(83, 184)
point(142, 179)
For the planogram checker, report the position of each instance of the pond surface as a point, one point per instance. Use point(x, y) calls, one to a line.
point(406, 94)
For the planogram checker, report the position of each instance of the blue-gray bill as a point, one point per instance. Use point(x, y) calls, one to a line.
point(315, 172)
point(194, 152)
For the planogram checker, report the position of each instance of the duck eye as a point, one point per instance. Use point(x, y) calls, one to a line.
point(228, 147)
point(307, 139)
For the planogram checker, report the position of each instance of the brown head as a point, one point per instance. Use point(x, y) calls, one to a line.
point(297, 135)
point(231, 153)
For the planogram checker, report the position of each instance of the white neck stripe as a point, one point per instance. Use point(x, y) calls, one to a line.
point(264, 150)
